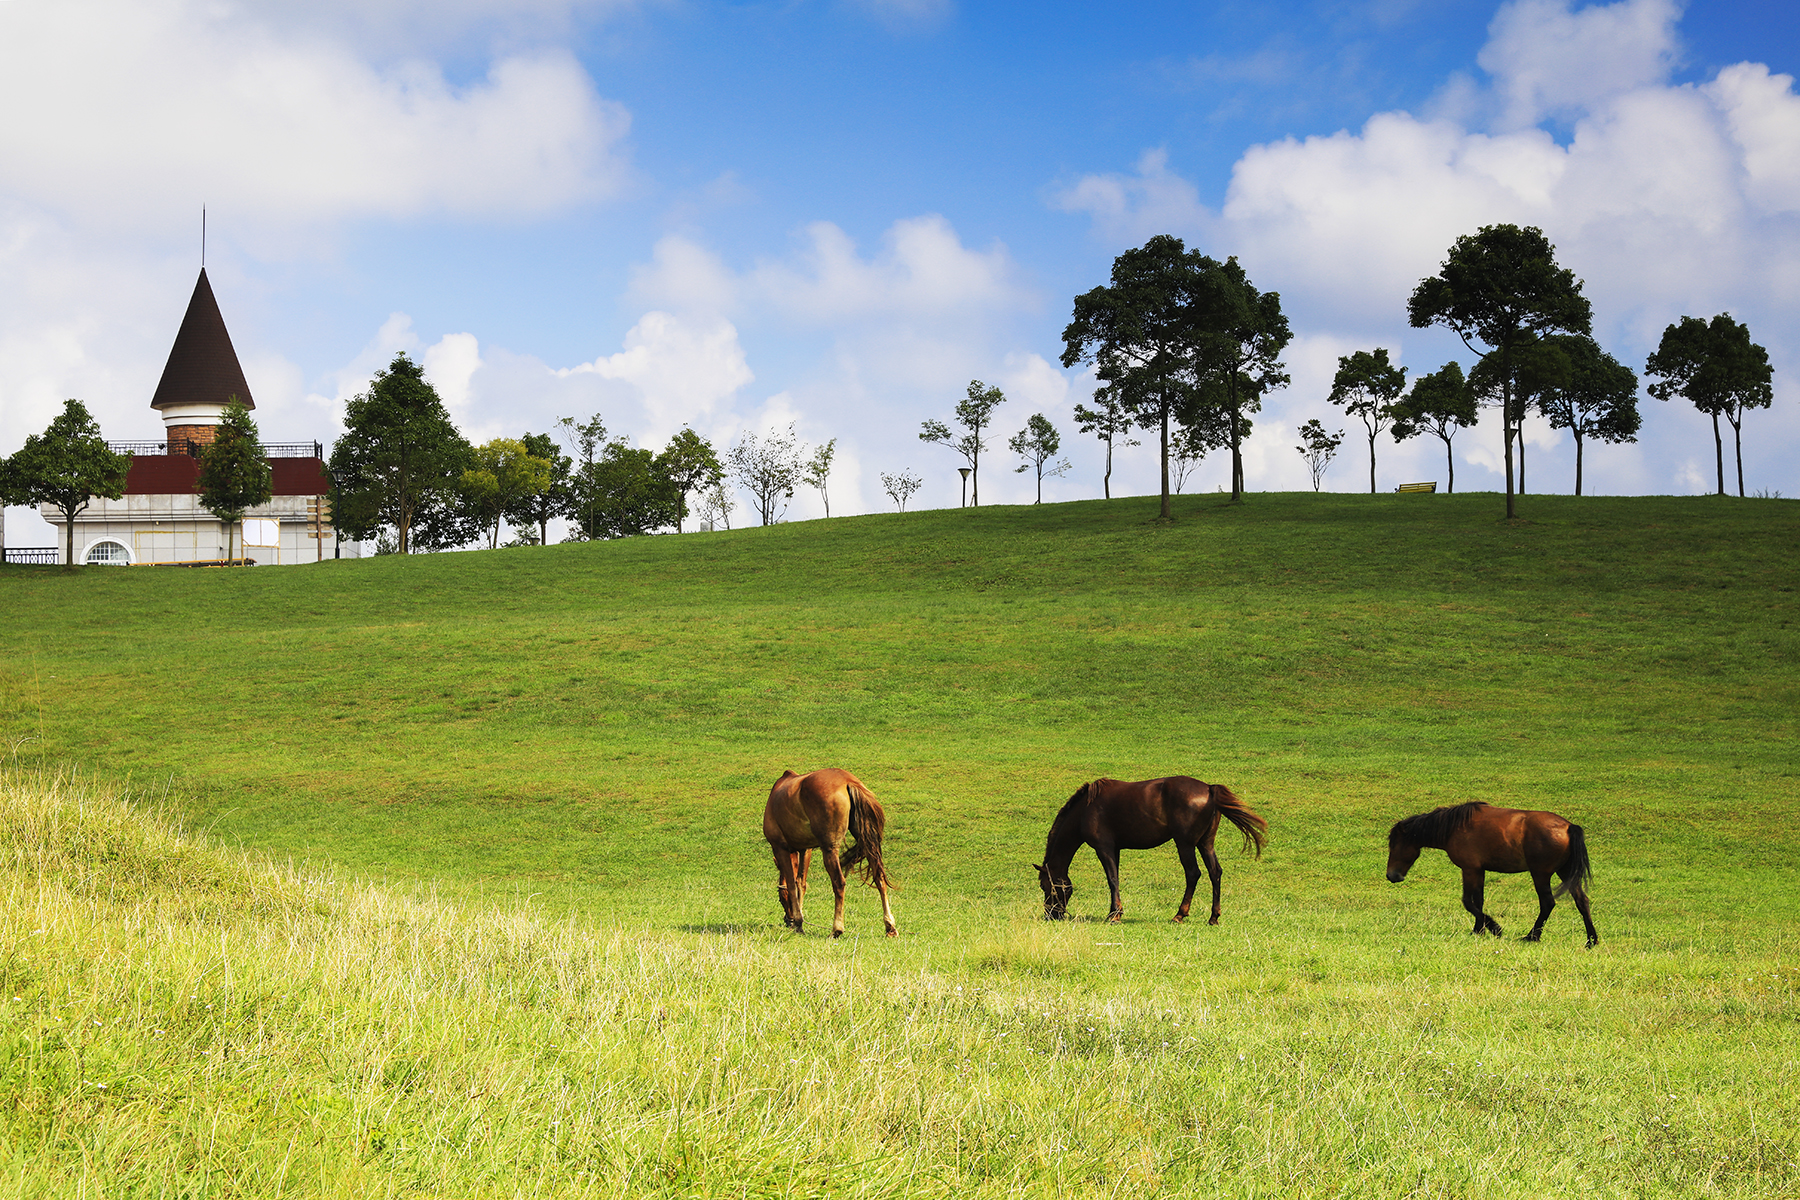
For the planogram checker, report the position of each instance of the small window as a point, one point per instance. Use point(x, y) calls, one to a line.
point(107, 553)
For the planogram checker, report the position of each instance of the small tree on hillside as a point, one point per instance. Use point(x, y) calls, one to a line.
point(504, 478)
point(1366, 386)
point(234, 476)
point(1717, 369)
point(1439, 404)
point(1318, 448)
point(818, 471)
point(974, 414)
point(1203, 424)
point(900, 487)
point(1110, 423)
point(691, 464)
point(715, 506)
point(632, 495)
point(768, 469)
point(586, 440)
point(539, 507)
point(67, 466)
point(1037, 444)
point(1592, 395)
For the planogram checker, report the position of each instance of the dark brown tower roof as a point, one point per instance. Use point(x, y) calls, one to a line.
point(202, 368)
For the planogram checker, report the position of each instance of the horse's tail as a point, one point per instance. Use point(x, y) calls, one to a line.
point(1576, 871)
point(1253, 827)
point(866, 824)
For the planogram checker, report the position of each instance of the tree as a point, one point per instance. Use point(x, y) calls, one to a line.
point(716, 505)
point(66, 466)
point(1037, 444)
point(629, 494)
point(900, 487)
point(974, 414)
point(1318, 448)
point(1501, 286)
point(1439, 404)
point(769, 470)
point(1245, 333)
point(818, 470)
point(1110, 423)
point(1717, 369)
point(1202, 424)
point(399, 463)
point(234, 475)
point(1588, 392)
point(537, 508)
point(505, 477)
point(586, 439)
point(692, 466)
point(1366, 386)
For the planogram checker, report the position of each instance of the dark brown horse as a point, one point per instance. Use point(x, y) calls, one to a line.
point(816, 810)
point(1480, 838)
point(1111, 816)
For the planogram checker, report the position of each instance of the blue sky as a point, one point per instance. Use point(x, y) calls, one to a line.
point(838, 213)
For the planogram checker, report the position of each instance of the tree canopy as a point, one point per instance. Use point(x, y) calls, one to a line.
point(1110, 423)
point(691, 464)
point(1501, 287)
point(505, 476)
point(769, 469)
point(1366, 386)
point(1587, 391)
point(1720, 371)
point(234, 475)
point(66, 466)
point(1037, 444)
point(537, 508)
point(400, 462)
point(1439, 404)
point(974, 413)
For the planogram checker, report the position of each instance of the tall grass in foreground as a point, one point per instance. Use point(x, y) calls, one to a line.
point(186, 1020)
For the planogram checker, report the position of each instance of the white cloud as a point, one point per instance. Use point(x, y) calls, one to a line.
point(1547, 61)
point(683, 371)
point(131, 115)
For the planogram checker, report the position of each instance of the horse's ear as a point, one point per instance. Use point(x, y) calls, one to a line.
point(1038, 867)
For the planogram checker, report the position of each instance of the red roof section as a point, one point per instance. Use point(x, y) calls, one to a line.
point(174, 474)
point(202, 366)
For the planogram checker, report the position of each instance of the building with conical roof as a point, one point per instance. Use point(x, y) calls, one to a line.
point(159, 521)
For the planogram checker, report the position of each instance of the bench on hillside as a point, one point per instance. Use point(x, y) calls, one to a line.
point(1418, 487)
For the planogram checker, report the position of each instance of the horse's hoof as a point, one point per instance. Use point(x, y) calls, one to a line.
point(892, 932)
point(1530, 937)
point(1592, 942)
point(1115, 918)
point(1178, 919)
point(1212, 920)
point(837, 933)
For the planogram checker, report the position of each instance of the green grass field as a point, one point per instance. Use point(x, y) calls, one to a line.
point(490, 912)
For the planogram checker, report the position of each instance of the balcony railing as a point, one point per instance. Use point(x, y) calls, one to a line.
point(43, 556)
point(192, 448)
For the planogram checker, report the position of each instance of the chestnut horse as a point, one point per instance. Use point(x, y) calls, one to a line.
point(1111, 816)
point(1480, 838)
point(817, 810)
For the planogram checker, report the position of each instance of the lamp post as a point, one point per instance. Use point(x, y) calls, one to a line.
point(964, 472)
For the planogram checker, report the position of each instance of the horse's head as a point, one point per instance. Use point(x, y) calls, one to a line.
point(1057, 893)
point(1402, 854)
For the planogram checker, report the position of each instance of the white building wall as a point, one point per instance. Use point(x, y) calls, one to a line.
point(175, 529)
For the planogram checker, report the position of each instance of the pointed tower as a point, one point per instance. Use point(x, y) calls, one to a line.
point(201, 376)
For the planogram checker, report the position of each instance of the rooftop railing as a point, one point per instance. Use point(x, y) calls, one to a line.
point(192, 448)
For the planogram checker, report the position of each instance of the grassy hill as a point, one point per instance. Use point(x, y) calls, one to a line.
point(578, 740)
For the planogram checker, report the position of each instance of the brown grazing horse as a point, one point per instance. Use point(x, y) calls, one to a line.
point(1111, 816)
point(1480, 838)
point(817, 810)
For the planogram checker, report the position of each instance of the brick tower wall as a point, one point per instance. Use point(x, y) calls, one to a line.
point(181, 436)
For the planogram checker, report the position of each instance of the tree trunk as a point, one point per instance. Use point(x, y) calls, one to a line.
point(1371, 462)
point(1506, 426)
point(1106, 480)
point(1719, 452)
point(1521, 440)
point(1737, 444)
point(1237, 456)
point(1577, 460)
point(1450, 466)
point(1165, 459)
point(68, 538)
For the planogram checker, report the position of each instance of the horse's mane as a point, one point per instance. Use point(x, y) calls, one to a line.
point(1426, 828)
point(1067, 811)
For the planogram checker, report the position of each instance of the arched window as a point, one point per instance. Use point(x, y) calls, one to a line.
point(107, 553)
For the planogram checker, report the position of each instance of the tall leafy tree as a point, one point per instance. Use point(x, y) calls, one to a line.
point(537, 508)
point(504, 477)
point(974, 413)
point(11, 492)
point(1244, 333)
point(1717, 369)
point(1141, 332)
point(234, 475)
point(1439, 404)
point(587, 440)
point(1588, 392)
point(400, 462)
point(1366, 386)
point(67, 466)
point(1318, 447)
point(1502, 287)
point(818, 470)
point(769, 469)
point(631, 494)
point(1038, 444)
point(1109, 422)
point(693, 466)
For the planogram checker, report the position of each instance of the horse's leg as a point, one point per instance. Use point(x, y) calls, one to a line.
point(1190, 865)
point(804, 857)
point(1581, 904)
point(1109, 862)
point(787, 888)
point(1474, 884)
point(835, 869)
point(1215, 872)
point(1546, 902)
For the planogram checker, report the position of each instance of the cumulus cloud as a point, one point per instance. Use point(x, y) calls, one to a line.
point(1548, 61)
point(162, 104)
point(683, 370)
